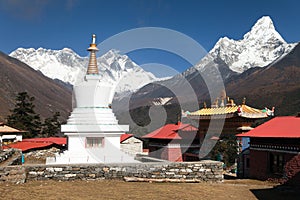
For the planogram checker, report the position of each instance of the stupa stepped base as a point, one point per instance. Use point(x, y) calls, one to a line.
point(92, 115)
point(80, 129)
point(92, 156)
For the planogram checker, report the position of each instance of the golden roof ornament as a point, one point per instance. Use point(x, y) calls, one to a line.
point(216, 103)
point(222, 103)
point(92, 67)
point(223, 94)
point(229, 101)
point(232, 102)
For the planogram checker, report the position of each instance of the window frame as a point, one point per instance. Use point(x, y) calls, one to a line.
point(276, 163)
point(94, 142)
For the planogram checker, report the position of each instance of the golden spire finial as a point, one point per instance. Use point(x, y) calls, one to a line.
point(94, 39)
point(92, 67)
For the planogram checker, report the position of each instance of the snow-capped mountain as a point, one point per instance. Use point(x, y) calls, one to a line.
point(121, 70)
point(64, 64)
point(258, 48)
point(69, 67)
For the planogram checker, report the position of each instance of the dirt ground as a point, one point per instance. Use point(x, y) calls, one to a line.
point(113, 189)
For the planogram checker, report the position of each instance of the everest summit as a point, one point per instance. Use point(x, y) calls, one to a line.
point(67, 66)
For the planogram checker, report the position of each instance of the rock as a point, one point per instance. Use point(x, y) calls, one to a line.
point(58, 169)
point(70, 175)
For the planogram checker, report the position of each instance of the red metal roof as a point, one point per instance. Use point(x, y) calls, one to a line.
point(34, 143)
point(24, 146)
point(279, 127)
point(55, 140)
point(124, 137)
point(170, 131)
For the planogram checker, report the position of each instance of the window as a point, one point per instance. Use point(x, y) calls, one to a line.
point(95, 142)
point(276, 163)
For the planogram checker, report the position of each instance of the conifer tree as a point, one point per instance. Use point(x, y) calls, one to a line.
point(51, 126)
point(24, 117)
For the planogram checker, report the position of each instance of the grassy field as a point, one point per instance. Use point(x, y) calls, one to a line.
point(112, 189)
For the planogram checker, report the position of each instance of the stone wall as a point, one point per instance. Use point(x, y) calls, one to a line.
point(10, 157)
point(4, 155)
point(14, 174)
point(292, 170)
point(201, 171)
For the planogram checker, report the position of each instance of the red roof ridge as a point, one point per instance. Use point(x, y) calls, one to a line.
point(125, 136)
point(55, 140)
point(278, 127)
point(24, 146)
point(168, 131)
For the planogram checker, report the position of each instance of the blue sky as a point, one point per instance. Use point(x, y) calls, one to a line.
point(56, 24)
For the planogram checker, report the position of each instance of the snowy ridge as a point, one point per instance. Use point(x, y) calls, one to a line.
point(69, 67)
point(258, 48)
point(121, 70)
point(64, 64)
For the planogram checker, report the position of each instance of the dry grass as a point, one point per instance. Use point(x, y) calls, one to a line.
point(112, 189)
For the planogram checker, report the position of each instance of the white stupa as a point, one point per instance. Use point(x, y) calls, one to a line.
point(92, 129)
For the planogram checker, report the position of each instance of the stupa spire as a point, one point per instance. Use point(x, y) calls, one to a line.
point(92, 67)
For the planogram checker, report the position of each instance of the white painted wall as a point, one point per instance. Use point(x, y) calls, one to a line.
point(93, 93)
point(132, 146)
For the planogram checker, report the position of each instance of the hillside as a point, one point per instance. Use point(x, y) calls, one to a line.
point(18, 77)
point(275, 85)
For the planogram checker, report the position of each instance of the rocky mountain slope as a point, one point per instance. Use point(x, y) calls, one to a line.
point(277, 84)
point(18, 77)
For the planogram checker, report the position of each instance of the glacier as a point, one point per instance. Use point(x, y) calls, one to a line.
point(67, 66)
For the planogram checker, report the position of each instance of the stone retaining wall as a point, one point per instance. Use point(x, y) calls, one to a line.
point(14, 174)
point(10, 157)
point(174, 172)
point(4, 155)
